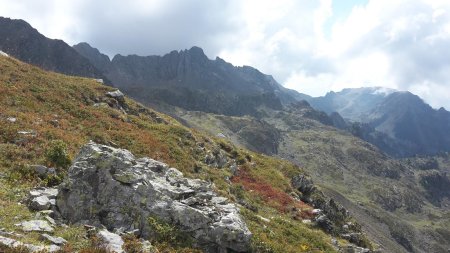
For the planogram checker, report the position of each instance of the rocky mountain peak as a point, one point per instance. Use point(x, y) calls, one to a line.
point(20, 40)
point(101, 61)
point(196, 52)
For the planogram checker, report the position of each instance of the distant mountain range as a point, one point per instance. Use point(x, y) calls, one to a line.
point(399, 123)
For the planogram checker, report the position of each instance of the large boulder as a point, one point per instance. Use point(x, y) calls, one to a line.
point(110, 187)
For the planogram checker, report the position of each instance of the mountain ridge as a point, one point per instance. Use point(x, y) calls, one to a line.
point(20, 40)
point(228, 89)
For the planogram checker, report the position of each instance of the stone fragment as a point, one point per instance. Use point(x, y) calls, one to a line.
point(111, 241)
point(55, 240)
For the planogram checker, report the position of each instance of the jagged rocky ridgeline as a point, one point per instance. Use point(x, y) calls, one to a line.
point(110, 187)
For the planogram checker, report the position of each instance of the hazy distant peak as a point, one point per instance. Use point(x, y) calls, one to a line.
point(375, 90)
point(383, 91)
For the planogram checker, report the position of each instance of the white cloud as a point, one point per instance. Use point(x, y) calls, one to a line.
point(396, 44)
point(303, 44)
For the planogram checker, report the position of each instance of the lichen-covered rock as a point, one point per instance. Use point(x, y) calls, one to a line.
point(30, 247)
point(108, 186)
point(112, 242)
point(303, 184)
point(216, 159)
point(36, 226)
point(42, 198)
point(52, 239)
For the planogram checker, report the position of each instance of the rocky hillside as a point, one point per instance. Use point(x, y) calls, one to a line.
point(219, 197)
point(401, 204)
point(188, 79)
point(399, 123)
point(19, 39)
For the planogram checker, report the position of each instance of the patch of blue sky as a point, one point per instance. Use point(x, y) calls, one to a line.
point(341, 10)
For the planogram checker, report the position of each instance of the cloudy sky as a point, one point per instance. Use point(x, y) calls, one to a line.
point(312, 46)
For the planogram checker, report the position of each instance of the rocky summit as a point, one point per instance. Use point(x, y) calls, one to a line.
point(110, 187)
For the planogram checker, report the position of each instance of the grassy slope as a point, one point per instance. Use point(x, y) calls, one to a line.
point(383, 194)
point(58, 107)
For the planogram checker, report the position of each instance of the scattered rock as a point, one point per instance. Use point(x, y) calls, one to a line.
point(353, 249)
point(40, 203)
point(27, 133)
point(331, 215)
point(108, 186)
point(54, 122)
point(306, 221)
point(33, 248)
point(323, 222)
point(99, 80)
point(3, 232)
point(103, 105)
point(11, 119)
point(221, 135)
point(304, 184)
point(50, 220)
point(55, 240)
point(263, 219)
point(51, 193)
point(147, 246)
point(356, 238)
point(234, 169)
point(36, 225)
point(4, 54)
point(43, 171)
point(216, 158)
point(111, 241)
point(24, 137)
point(42, 198)
point(115, 94)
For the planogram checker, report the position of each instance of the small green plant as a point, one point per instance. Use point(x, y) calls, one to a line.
point(164, 231)
point(132, 244)
point(57, 154)
point(167, 234)
point(20, 249)
point(53, 180)
point(22, 173)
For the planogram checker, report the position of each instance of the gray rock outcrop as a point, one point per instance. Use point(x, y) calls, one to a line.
point(110, 187)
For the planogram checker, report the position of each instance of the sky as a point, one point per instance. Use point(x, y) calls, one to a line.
point(312, 46)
